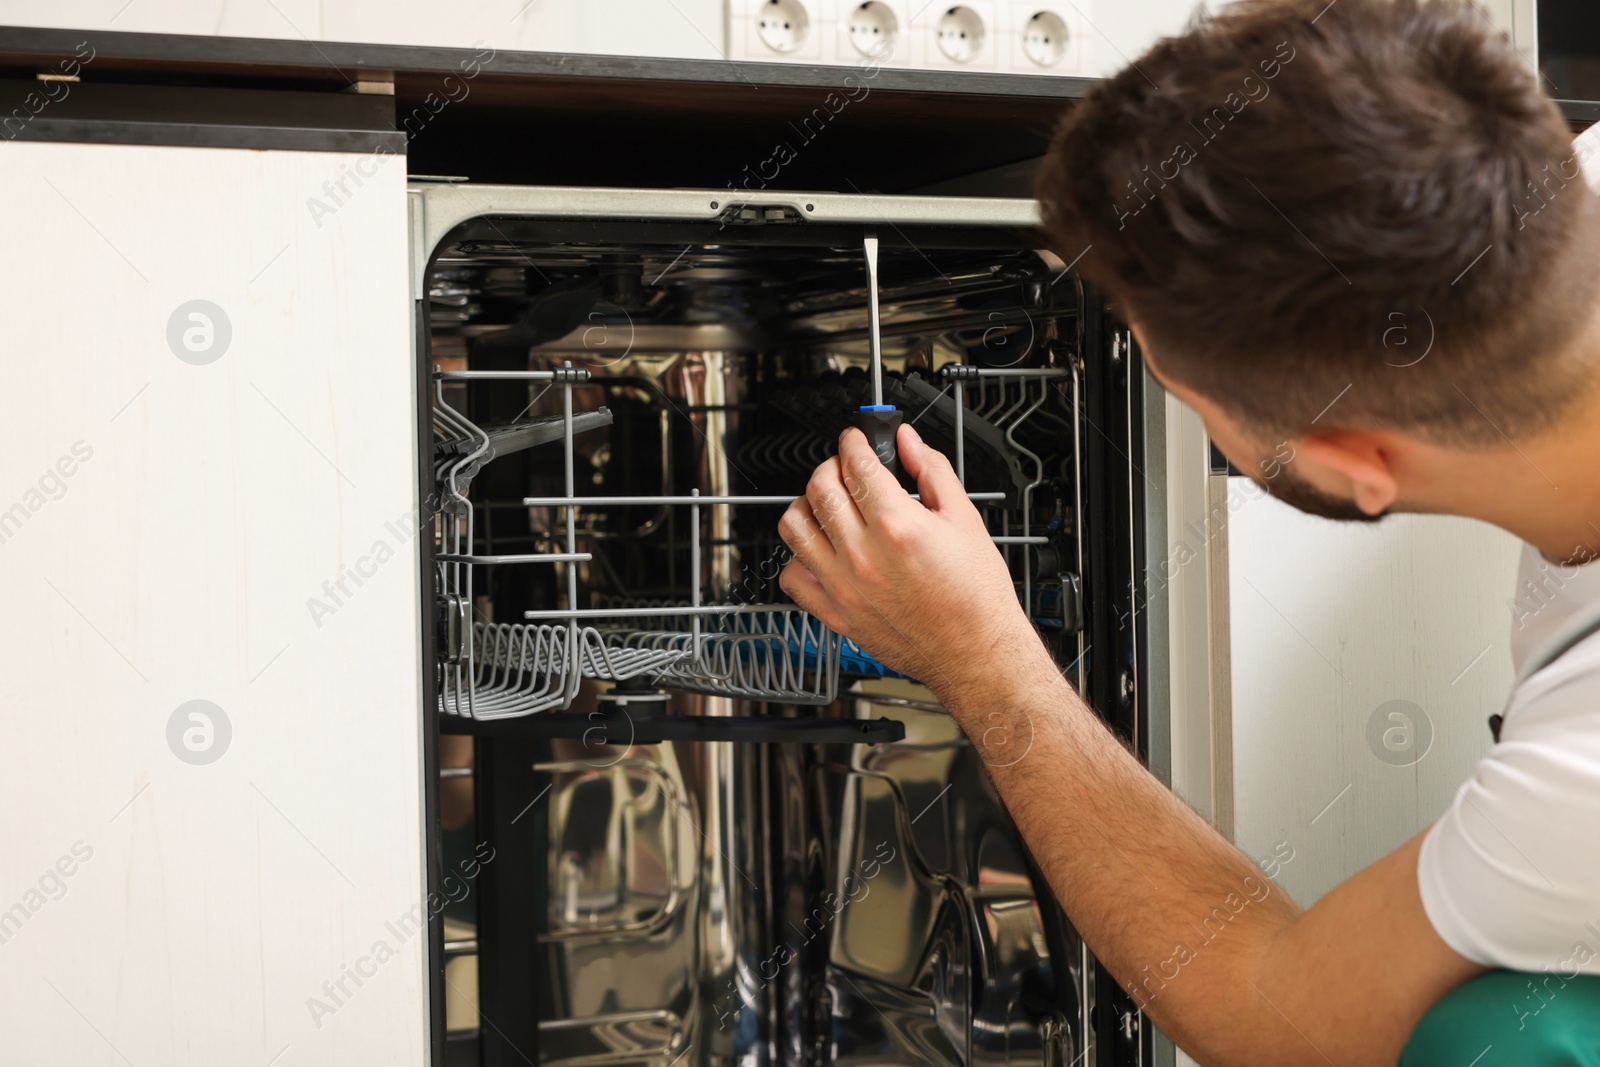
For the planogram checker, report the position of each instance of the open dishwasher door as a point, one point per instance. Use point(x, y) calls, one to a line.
point(705, 829)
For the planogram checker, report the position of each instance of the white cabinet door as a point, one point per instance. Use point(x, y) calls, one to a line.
point(1365, 663)
point(1328, 684)
point(210, 783)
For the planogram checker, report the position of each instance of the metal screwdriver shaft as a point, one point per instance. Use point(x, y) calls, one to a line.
point(879, 421)
point(870, 248)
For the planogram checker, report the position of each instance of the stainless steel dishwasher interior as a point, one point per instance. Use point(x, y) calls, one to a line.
point(671, 898)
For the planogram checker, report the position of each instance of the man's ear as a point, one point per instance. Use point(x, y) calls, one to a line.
point(1360, 463)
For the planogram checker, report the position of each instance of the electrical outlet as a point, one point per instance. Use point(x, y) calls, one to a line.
point(1048, 37)
point(778, 31)
point(964, 35)
point(873, 31)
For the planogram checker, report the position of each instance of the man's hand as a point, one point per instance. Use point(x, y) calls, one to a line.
point(918, 584)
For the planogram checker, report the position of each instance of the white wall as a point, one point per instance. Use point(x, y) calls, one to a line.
point(1122, 31)
point(1330, 621)
point(690, 29)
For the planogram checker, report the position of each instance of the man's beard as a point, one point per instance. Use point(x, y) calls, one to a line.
point(1303, 496)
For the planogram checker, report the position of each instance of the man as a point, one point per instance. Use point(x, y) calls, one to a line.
point(1264, 199)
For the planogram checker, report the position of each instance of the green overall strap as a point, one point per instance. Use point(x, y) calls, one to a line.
point(1509, 1019)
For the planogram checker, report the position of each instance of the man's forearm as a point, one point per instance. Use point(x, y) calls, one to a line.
point(1179, 916)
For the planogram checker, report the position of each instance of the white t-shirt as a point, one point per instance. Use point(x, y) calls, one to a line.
point(1510, 876)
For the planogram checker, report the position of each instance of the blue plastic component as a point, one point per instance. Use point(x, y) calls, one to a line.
point(877, 407)
point(853, 659)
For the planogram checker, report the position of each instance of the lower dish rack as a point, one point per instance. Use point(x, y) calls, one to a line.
point(753, 652)
point(762, 653)
point(517, 669)
point(494, 670)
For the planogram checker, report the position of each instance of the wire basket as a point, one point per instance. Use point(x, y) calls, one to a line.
point(777, 654)
point(518, 669)
point(766, 653)
point(487, 670)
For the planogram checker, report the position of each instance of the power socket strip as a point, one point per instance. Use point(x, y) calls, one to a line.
point(994, 36)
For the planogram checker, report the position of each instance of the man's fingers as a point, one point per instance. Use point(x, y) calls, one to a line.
point(871, 486)
point(806, 537)
point(804, 589)
point(936, 479)
point(832, 505)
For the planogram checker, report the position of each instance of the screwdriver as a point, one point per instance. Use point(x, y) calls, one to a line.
point(879, 421)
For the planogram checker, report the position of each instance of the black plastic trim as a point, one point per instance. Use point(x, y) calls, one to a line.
point(650, 730)
point(211, 118)
point(1580, 112)
point(156, 133)
point(433, 874)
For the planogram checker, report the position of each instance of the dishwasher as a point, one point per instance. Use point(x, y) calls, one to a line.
point(676, 819)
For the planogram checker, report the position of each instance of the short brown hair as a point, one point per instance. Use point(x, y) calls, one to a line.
point(1294, 198)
